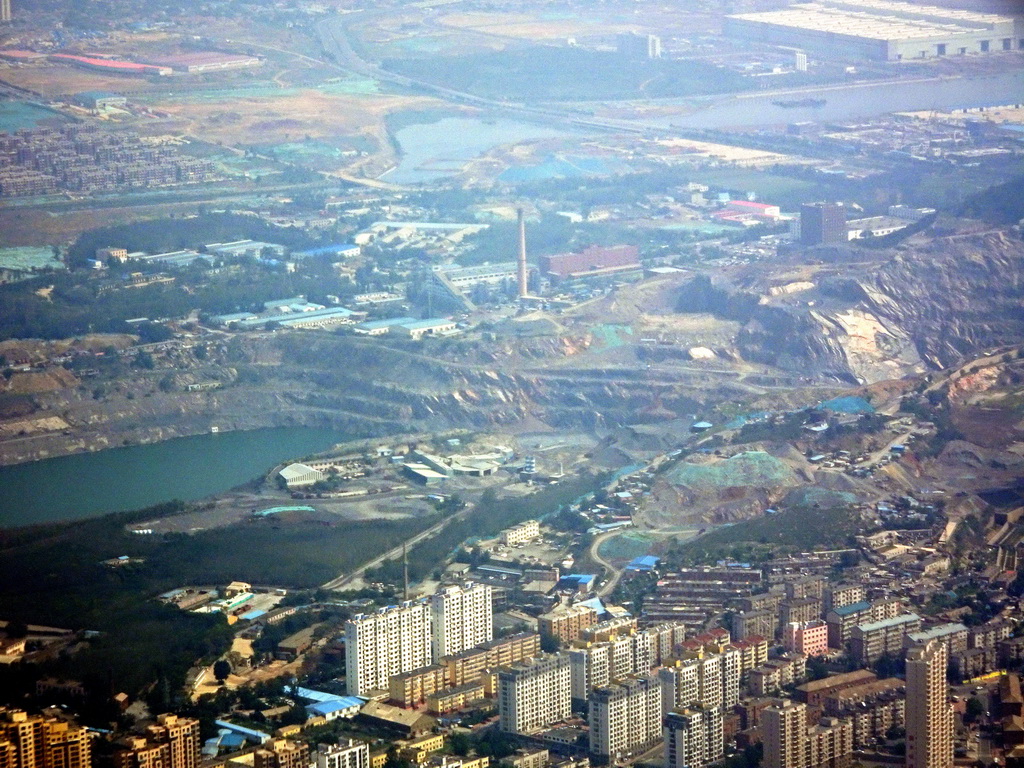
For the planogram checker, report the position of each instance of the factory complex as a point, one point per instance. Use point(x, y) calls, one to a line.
point(886, 30)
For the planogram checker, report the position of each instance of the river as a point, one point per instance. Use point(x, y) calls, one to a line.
point(434, 150)
point(120, 479)
point(852, 101)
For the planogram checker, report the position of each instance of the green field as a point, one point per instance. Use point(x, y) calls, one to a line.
point(568, 74)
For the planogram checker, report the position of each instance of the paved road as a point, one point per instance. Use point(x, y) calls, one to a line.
point(345, 579)
point(614, 573)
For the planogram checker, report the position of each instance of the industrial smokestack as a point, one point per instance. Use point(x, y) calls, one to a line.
point(522, 254)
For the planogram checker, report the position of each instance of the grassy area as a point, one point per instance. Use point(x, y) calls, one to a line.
point(799, 529)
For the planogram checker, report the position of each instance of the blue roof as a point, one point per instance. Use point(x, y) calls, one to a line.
point(311, 694)
point(249, 733)
point(252, 615)
point(846, 610)
point(335, 705)
point(645, 563)
point(326, 250)
point(579, 578)
point(375, 324)
point(429, 323)
point(595, 604)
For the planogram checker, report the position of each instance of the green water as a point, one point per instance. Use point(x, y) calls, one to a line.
point(120, 479)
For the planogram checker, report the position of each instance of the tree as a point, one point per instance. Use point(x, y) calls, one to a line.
point(459, 743)
point(974, 709)
point(221, 670)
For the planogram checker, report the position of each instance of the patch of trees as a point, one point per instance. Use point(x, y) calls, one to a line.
point(1002, 204)
point(162, 235)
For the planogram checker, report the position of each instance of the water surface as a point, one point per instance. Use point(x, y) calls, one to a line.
point(120, 479)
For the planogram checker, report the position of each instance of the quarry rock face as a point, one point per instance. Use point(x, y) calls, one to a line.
point(924, 307)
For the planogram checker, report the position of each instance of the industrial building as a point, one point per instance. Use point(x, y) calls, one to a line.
point(97, 100)
point(885, 30)
point(204, 61)
point(111, 66)
point(591, 262)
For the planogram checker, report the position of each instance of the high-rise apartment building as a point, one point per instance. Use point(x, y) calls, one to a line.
point(784, 734)
point(590, 667)
point(388, 642)
point(533, 694)
point(625, 717)
point(680, 684)
point(693, 737)
point(462, 617)
point(790, 743)
point(38, 741)
point(822, 224)
point(929, 713)
point(5, 10)
point(282, 753)
point(171, 742)
point(345, 754)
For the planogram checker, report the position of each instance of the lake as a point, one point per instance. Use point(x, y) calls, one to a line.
point(432, 151)
point(121, 479)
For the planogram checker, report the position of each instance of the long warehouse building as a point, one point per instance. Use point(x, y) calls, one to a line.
point(886, 30)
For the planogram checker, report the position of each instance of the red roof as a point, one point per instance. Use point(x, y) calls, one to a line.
point(124, 66)
point(751, 206)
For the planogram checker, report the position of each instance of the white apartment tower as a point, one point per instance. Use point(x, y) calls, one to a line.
point(693, 738)
point(590, 667)
point(929, 713)
point(5, 10)
point(784, 734)
point(680, 684)
point(378, 645)
point(462, 618)
point(625, 718)
point(346, 754)
point(710, 669)
point(533, 694)
point(731, 670)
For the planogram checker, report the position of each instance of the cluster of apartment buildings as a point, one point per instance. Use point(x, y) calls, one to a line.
point(86, 159)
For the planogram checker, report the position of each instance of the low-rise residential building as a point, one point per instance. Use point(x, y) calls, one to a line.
point(408, 689)
point(566, 623)
point(809, 638)
point(528, 530)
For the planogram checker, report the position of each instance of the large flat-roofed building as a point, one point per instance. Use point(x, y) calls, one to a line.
point(886, 30)
point(592, 261)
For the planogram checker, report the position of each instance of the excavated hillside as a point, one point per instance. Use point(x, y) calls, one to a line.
point(868, 316)
point(775, 337)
